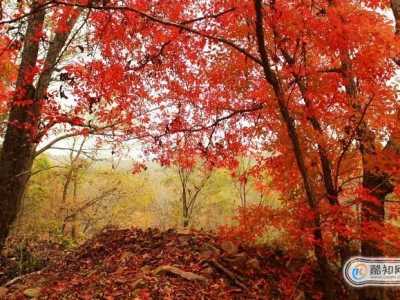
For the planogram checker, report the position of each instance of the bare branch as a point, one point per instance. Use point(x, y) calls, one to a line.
point(56, 140)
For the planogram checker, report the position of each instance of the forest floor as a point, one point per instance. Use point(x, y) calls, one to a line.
point(153, 264)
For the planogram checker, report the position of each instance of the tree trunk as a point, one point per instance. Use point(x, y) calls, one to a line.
point(22, 134)
point(332, 193)
point(74, 225)
point(326, 278)
point(185, 210)
point(16, 155)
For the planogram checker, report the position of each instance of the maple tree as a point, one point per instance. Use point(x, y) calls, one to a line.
point(24, 117)
point(305, 87)
point(326, 95)
point(305, 82)
point(39, 109)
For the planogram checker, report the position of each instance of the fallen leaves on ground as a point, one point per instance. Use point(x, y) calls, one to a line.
point(151, 264)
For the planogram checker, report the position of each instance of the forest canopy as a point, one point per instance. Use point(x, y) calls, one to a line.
point(271, 123)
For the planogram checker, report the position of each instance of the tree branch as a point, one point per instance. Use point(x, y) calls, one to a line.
point(182, 25)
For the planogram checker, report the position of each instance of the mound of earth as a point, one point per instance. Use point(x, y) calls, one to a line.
point(150, 264)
